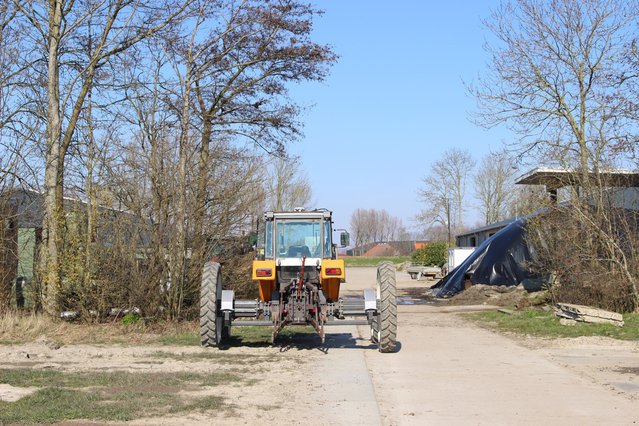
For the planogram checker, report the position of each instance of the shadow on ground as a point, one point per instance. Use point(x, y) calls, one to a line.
point(306, 341)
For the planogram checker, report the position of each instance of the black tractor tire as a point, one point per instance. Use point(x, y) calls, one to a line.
point(374, 330)
point(387, 306)
point(212, 329)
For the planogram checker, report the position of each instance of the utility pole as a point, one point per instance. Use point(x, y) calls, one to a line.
point(448, 219)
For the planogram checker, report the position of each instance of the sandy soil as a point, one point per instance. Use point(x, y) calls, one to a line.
point(447, 371)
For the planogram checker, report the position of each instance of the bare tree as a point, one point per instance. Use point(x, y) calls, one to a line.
point(242, 68)
point(223, 75)
point(444, 190)
point(494, 186)
point(60, 27)
point(560, 77)
point(18, 129)
point(375, 226)
point(358, 227)
point(288, 187)
point(526, 200)
point(434, 232)
point(10, 66)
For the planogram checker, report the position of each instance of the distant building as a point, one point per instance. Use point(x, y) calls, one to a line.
point(475, 237)
point(392, 248)
point(622, 191)
point(418, 245)
point(21, 217)
point(622, 186)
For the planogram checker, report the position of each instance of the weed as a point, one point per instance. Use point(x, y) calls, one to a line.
point(130, 319)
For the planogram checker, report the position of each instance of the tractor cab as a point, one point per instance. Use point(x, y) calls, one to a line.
point(297, 235)
point(297, 245)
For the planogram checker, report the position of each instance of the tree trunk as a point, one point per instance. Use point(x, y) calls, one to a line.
point(91, 203)
point(49, 264)
point(178, 273)
point(198, 252)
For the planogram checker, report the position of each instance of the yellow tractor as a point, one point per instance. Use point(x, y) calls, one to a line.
point(299, 278)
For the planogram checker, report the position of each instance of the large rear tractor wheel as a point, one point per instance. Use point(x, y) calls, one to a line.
point(386, 320)
point(212, 329)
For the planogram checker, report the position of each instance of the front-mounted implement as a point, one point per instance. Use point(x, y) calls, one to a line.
point(299, 279)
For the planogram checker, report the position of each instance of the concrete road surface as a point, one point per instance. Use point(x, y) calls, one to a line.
point(449, 371)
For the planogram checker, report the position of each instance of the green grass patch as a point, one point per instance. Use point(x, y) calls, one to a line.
point(373, 261)
point(256, 335)
point(219, 357)
point(184, 338)
point(108, 396)
point(242, 336)
point(546, 324)
point(53, 378)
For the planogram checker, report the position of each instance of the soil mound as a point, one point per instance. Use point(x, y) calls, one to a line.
point(382, 249)
point(499, 296)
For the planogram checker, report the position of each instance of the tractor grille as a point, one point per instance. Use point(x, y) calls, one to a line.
point(287, 273)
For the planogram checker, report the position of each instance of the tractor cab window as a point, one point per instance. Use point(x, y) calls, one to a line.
point(269, 240)
point(328, 243)
point(299, 238)
point(264, 243)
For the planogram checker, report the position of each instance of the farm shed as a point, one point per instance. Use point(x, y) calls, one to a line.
point(476, 237)
point(21, 216)
point(21, 219)
point(502, 250)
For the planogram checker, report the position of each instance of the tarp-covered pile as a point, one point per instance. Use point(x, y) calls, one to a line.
point(501, 260)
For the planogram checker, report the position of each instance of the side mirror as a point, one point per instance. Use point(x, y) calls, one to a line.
point(344, 239)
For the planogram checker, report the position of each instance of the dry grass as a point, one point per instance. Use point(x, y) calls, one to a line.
point(19, 328)
point(16, 327)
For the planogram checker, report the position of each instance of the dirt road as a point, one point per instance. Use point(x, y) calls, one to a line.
point(447, 371)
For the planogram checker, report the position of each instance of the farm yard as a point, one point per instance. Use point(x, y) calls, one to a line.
point(325, 213)
point(448, 369)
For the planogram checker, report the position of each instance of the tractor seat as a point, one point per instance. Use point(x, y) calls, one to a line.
point(298, 251)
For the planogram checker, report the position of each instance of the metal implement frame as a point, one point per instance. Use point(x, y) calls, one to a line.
point(238, 315)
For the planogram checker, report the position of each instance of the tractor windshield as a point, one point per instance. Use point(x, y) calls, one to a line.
point(299, 238)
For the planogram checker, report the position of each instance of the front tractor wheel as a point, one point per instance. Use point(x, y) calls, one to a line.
point(386, 320)
point(212, 329)
point(374, 330)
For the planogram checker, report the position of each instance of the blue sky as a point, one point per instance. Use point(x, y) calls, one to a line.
point(394, 102)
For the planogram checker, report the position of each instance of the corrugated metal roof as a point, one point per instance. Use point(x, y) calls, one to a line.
point(559, 178)
point(490, 227)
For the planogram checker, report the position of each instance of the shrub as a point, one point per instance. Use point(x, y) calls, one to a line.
point(434, 254)
point(593, 255)
point(130, 318)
